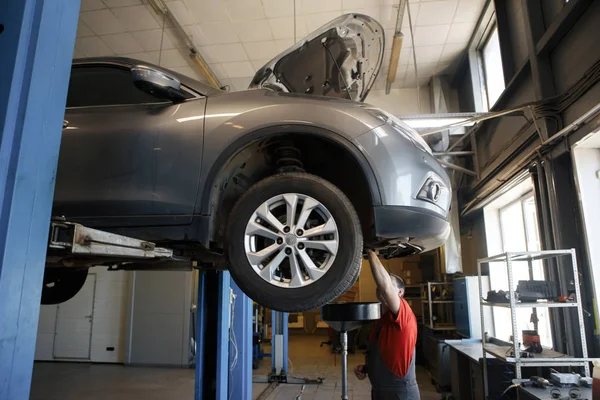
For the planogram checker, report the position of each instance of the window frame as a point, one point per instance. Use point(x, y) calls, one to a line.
point(490, 30)
point(195, 95)
point(496, 244)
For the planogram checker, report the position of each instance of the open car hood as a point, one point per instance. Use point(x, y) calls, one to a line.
point(341, 59)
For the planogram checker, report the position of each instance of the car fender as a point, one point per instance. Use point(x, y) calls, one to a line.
point(231, 126)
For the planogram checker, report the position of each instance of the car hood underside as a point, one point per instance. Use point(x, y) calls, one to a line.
point(341, 59)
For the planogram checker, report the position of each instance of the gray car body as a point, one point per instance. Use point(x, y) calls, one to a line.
point(152, 170)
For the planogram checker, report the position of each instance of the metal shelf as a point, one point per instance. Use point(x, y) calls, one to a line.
point(545, 304)
point(526, 256)
point(438, 301)
point(548, 357)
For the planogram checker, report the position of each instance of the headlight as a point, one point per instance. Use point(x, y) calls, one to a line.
point(401, 128)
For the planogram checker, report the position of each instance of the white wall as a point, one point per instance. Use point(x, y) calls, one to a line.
point(109, 319)
point(401, 101)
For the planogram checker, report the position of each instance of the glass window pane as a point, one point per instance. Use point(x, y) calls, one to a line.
point(492, 68)
point(103, 86)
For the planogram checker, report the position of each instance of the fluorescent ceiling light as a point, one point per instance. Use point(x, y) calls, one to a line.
point(436, 122)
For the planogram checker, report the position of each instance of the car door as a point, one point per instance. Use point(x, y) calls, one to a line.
point(125, 155)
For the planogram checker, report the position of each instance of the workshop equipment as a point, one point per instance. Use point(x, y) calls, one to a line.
point(344, 317)
point(531, 340)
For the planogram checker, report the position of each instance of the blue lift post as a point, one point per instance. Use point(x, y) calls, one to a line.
point(233, 340)
point(37, 39)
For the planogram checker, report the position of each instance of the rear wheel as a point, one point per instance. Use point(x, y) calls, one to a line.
point(294, 242)
point(61, 284)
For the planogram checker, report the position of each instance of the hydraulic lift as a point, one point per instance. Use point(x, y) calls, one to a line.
point(223, 312)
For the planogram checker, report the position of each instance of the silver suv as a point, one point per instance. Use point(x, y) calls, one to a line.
point(281, 184)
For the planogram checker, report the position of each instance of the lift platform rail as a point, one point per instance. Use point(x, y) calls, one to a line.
point(71, 243)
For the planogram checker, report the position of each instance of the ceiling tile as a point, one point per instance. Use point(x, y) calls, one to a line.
point(315, 21)
point(218, 70)
point(388, 17)
point(278, 8)
point(136, 18)
point(93, 47)
point(195, 35)
point(431, 35)
point(219, 32)
point(243, 10)
point(122, 43)
point(91, 5)
point(181, 13)
point(282, 28)
point(258, 64)
point(389, 38)
point(78, 54)
point(144, 56)
point(208, 10)
point(151, 40)
point(254, 30)
point(240, 84)
point(436, 12)
point(406, 55)
point(153, 56)
point(428, 54)
point(239, 69)
point(83, 30)
point(470, 6)
point(285, 44)
point(317, 6)
point(175, 38)
point(261, 50)
point(223, 53)
point(460, 32)
point(121, 3)
point(451, 51)
point(172, 58)
point(187, 71)
point(102, 22)
point(356, 4)
point(467, 16)
point(373, 12)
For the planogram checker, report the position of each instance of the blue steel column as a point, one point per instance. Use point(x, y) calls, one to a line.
point(223, 321)
point(240, 384)
point(36, 42)
point(200, 334)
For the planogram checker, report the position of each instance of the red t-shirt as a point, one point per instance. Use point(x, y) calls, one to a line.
point(397, 338)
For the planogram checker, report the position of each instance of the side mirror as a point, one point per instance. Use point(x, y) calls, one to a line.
point(157, 83)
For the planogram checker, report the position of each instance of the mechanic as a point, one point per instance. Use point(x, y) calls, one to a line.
point(390, 359)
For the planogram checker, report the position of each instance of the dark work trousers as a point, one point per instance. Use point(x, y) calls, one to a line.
point(385, 385)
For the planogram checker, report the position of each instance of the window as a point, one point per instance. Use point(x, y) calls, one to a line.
point(103, 86)
point(511, 225)
point(492, 68)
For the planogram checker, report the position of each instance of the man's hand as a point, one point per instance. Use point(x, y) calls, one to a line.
point(358, 371)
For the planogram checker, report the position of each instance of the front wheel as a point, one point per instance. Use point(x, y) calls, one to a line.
point(294, 242)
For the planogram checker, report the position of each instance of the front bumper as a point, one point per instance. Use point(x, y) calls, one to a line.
point(410, 211)
point(409, 225)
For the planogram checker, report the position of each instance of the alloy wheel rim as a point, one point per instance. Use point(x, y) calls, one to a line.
point(291, 240)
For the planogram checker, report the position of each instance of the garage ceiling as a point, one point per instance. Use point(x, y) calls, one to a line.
point(236, 37)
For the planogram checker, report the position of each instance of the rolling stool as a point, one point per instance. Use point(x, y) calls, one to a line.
point(344, 317)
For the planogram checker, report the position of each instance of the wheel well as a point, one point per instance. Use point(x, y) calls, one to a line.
point(317, 155)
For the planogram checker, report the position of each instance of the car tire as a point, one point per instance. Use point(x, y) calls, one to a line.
point(62, 284)
point(336, 271)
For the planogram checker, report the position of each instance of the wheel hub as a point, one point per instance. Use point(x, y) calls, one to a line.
point(291, 240)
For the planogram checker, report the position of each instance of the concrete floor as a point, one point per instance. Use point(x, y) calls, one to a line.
point(81, 381)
